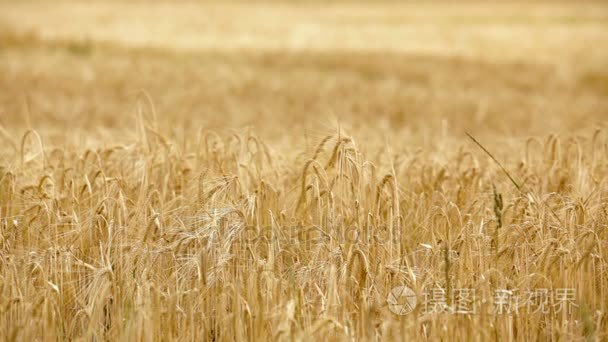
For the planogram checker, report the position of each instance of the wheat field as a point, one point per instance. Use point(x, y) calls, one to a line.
point(293, 171)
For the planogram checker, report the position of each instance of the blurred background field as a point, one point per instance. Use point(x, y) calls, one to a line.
point(416, 71)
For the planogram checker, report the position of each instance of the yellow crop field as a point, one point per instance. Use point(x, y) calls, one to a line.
point(303, 170)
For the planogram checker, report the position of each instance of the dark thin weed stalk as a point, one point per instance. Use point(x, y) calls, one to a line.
point(498, 206)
